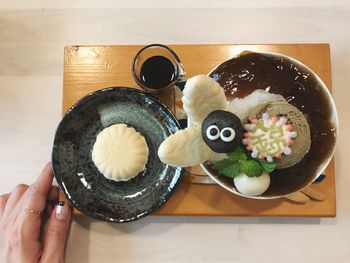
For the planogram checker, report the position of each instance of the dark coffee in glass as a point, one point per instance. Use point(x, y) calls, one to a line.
point(157, 68)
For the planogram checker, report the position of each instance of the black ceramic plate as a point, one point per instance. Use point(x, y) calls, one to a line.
point(87, 189)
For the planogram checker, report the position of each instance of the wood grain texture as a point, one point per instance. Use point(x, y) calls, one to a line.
point(88, 68)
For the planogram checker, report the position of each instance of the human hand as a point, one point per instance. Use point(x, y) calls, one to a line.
point(21, 218)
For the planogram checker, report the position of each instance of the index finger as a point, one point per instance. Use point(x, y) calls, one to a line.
point(36, 195)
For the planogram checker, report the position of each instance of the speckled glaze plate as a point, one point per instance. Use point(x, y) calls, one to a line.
point(81, 182)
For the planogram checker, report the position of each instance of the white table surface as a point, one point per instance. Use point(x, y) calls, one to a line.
point(32, 37)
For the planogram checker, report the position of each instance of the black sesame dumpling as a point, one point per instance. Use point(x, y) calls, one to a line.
point(222, 131)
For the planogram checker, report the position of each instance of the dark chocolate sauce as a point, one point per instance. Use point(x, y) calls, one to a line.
point(280, 75)
point(157, 72)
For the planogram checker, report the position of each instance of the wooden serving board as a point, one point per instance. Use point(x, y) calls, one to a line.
point(89, 68)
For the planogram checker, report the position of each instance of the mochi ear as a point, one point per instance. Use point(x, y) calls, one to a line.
point(184, 148)
point(201, 96)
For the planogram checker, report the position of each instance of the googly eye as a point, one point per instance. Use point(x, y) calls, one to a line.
point(213, 133)
point(227, 134)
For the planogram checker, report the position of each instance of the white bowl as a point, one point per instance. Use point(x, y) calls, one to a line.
point(321, 167)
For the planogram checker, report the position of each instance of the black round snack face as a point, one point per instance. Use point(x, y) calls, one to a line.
point(222, 131)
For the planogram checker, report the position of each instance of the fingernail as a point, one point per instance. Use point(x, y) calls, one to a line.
point(62, 211)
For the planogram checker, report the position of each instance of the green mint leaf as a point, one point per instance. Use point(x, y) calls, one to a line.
point(238, 154)
point(222, 164)
point(267, 166)
point(232, 170)
point(251, 168)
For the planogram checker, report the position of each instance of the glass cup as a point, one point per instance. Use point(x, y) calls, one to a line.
point(152, 63)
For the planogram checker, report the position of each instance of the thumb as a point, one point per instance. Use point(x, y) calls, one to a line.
point(55, 237)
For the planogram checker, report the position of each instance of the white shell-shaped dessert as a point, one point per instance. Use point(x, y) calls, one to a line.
point(201, 96)
point(184, 148)
point(120, 152)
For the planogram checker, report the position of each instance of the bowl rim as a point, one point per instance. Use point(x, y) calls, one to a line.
point(334, 119)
